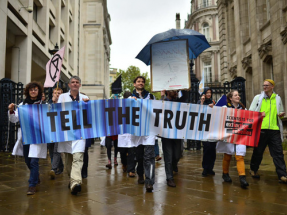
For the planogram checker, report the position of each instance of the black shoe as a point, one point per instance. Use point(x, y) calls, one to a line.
point(149, 188)
point(84, 173)
point(171, 183)
point(226, 177)
point(210, 172)
point(244, 184)
point(59, 171)
point(141, 180)
point(175, 168)
point(204, 173)
point(254, 174)
point(77, 188)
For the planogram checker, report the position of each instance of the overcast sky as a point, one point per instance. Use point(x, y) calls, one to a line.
point(134, 22)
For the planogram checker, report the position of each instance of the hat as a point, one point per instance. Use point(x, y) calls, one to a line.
point(270, 81)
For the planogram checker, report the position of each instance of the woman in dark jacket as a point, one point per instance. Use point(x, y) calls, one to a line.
point(209, 148)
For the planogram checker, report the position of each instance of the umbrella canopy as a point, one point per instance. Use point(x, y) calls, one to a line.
point(197, 42)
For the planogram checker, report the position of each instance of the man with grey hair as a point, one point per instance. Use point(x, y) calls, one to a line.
point(74, 150)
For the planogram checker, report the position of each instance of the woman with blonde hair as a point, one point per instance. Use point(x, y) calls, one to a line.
point(229, 149)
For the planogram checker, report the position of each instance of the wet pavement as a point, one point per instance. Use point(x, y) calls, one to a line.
point(113, 192)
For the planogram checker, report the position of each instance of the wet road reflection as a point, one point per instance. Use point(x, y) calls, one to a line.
point(113, 192)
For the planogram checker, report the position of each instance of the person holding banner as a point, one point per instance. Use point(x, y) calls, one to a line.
point(233, 101)
point(31, 152)
point(56, 159)
point(270, 105)
point(74, 150)
point(145, 151)
point(209, 147)
point(171, 147)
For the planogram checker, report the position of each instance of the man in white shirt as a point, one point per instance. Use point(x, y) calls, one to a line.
point(74, 150)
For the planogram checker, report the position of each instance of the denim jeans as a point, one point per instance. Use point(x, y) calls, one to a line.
point(33, 165)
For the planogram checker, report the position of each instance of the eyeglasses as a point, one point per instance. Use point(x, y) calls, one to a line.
point(266, 85)
point(34, 89)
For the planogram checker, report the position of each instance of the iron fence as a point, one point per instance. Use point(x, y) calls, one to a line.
point(10, 92)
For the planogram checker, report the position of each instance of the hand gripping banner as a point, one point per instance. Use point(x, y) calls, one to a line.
point(97, 118)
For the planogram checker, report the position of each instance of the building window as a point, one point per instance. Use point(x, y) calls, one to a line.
point(207, 72)
point(111, 79)
point(205, 3)
point(205, 31)
point(35, 12)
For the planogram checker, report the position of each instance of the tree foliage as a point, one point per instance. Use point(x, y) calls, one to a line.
point(128, 77)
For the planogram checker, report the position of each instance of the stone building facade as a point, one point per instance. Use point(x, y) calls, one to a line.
point(30, 28)
point(95, 51)
point(253, 37)
point(203, 18)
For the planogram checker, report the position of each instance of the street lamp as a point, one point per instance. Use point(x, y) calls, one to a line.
point(54, 51)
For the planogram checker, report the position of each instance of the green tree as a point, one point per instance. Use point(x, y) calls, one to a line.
point(128, 77)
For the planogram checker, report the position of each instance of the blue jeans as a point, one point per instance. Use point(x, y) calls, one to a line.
point(33, 165)
point(156, 148)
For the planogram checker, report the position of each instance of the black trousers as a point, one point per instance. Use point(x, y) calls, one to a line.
point(124, 155)
point(135, 160)
point(109, 146)
point(145, 157)
point(209, 155)
point(272, 138)
point(85, 161)
point(172, 152)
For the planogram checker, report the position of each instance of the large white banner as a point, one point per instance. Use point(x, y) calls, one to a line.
point(169, 66)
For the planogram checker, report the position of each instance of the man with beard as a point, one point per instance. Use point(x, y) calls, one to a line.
point(144, 153)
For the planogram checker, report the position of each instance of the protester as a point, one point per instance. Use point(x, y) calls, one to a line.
point(145, 151)
point(109, 144)
point(74, 150)
point(56, 159)
point(123, 150)
point(32, 153)
point(233, 101)
point(209, 146)
point(172, 148)
point(270, 105)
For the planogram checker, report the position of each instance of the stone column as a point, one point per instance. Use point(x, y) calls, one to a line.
point(238, 44)
point(3, 24)
point(24, 44)
point(223, 44)
point(214, 27)
point(15, 64)
point(216, 79)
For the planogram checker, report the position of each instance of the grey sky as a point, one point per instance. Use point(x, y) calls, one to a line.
point(134, 22)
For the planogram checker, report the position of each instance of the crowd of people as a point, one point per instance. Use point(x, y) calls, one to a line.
point(140, 160)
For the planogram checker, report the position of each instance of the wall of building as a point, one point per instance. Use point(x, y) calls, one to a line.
point(28, 37)
point(82, 26)
point(96, 41)
point(253, 36)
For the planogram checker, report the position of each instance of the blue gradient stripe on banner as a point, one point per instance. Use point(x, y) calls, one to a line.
point(55, 123)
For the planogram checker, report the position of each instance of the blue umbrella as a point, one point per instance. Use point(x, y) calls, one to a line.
point(197, 42)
